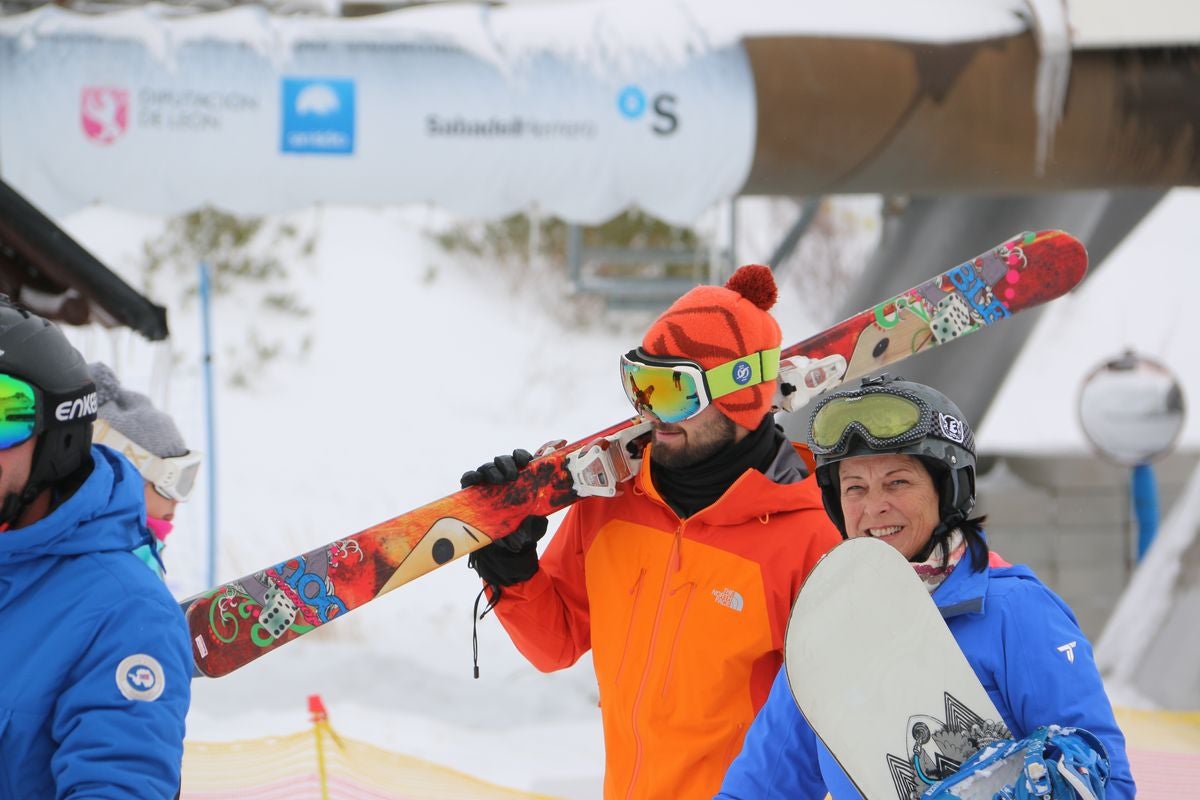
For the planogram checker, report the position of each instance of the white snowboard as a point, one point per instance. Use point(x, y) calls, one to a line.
point(877, 674)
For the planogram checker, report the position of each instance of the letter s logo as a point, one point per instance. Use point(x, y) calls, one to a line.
point(633, 104)
point(664, 107)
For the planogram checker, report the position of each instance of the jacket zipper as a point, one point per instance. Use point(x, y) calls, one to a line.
point(690, 588)
point(663, 593)
point(636, 591)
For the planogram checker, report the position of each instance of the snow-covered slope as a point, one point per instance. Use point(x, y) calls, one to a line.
point(420, 367)
point(417, 371)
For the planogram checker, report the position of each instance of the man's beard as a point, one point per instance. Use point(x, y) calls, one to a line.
point(701, 444)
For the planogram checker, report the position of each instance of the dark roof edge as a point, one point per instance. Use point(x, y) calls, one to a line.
point(60, 257)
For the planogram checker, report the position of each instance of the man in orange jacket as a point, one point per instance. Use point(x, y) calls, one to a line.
point(680, 585)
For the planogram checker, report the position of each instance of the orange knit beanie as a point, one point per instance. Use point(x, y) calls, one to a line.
point(712, 325)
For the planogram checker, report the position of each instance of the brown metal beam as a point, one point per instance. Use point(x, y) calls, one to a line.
point(856, 115)
point(44, 268)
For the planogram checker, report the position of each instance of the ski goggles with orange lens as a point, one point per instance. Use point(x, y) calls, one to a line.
point(675, 389)
point(173, 477)
point(18, 411)
point(882, 419)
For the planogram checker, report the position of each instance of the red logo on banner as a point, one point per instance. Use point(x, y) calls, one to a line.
point(104, 113)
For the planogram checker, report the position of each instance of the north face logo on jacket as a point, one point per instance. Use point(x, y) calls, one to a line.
point(728, 598)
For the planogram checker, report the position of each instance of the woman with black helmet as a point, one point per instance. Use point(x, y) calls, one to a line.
point(97, 661)
point(896, 461)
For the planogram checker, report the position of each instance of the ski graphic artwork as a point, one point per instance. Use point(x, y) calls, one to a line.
point(241, 620)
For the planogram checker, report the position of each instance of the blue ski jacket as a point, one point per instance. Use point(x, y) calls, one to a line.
point(96, 661)
point(1022, 641)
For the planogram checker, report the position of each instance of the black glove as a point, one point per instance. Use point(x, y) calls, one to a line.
point(512, 558)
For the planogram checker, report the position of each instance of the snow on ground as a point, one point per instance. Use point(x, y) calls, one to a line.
point(420, 368)
point(418, 371)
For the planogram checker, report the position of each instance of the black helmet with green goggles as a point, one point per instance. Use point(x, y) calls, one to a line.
point(45, 391)
point(891, 415)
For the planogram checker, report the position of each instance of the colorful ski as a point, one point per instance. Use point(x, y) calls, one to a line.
point(239, 621)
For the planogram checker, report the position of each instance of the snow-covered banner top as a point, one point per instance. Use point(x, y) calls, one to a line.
point(583, 108)
point(257, 114)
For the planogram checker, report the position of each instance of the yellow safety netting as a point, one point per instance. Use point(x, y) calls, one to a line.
point(1170, 731)
point(321, 765)
point(1164, 752)
point(318, 764)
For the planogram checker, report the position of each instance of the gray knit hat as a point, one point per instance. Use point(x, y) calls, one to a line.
point(133, 415)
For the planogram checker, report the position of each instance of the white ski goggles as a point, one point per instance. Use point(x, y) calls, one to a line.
point(674, 389)
point(173, 477)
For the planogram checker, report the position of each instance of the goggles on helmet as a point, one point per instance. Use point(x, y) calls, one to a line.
point(18, 411)
point(674, 389)
point(882, 419)
point(26, 410)
point(173, 477)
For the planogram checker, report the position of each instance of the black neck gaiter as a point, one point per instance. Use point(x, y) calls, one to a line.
point(689, 489)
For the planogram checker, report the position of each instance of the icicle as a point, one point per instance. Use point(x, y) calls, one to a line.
point(1052, 31)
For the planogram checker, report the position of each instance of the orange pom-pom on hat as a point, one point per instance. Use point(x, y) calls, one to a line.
point(712, 325)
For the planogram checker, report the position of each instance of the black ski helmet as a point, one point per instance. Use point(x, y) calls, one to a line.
point(36, 351)
point(925, 423)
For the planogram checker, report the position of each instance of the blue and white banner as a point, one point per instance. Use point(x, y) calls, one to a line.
point(446, 105)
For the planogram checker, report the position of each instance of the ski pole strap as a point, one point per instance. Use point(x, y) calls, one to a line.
point(476, 616)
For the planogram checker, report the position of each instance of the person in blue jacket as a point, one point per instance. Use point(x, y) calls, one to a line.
point(97, 659)
point(896, 461)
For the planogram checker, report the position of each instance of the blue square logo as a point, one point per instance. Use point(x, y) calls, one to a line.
point(318, 116)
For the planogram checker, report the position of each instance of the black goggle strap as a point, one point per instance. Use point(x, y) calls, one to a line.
point(70, 408)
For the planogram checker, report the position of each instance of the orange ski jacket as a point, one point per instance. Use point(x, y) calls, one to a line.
point(685, 618)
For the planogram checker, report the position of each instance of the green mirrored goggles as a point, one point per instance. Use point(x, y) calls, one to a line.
point(882, 419)
point(18, 411)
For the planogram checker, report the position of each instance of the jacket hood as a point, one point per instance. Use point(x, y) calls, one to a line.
point(106, 513)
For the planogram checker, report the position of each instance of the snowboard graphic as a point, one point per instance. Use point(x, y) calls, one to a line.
point(878, 676)
point(235, 623)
